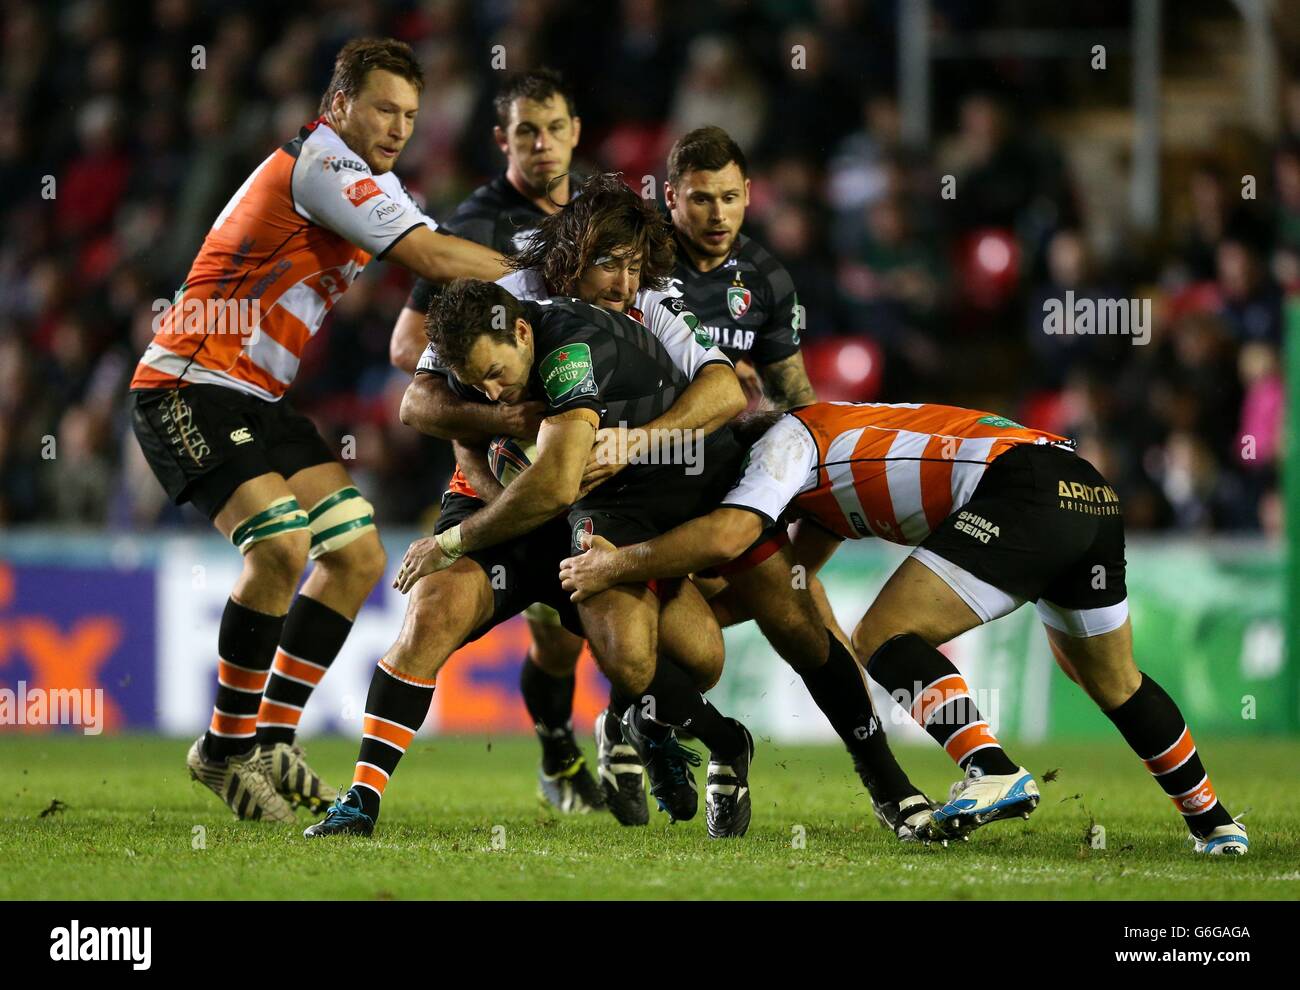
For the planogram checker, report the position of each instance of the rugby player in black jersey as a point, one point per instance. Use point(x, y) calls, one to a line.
point(537, 131)
point(588, 366)
point(743, 297)
point(595, 224)
point(611, 248)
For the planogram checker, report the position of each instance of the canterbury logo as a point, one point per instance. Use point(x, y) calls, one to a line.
point(1198, 800)
point(866, 731)
point(241, 435)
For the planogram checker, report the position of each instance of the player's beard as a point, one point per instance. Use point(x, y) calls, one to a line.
point(543, 184)
point(718, 249)
point(381, 164)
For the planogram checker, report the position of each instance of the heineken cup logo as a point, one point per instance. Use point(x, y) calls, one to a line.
point(568, 372)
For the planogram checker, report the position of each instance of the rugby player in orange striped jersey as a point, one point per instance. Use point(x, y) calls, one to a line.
point(999, 515)
point(209, 411)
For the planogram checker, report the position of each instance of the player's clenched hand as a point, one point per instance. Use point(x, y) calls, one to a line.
point(523, 419)
point(422, 557)
point(592, 571)
point(606, 458)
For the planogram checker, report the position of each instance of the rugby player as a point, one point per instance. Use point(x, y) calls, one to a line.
point(537, 130)
point(744, 297)
point(747, 304)
point(999, 515)
point(610, 248)
point(707, 192)
point(548, 267)
point(588, 365)
point(209, 411)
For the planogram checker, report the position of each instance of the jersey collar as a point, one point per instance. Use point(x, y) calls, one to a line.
point(508, 191)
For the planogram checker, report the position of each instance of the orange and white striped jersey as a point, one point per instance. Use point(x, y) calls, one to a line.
point(875, 469)
point(279, 256)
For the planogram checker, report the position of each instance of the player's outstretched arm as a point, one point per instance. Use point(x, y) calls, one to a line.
point(703, 542)
point(714, 396)
point(443, 257)
point(454, 257)
point(431, 407)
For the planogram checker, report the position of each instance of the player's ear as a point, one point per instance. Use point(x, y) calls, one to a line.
point(522, 332)
point(339, 103)
point(499, 136)
point(747, 192)
point(670, 195)
point(577, 131)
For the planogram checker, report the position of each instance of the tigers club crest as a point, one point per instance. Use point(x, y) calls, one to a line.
point(738, 299)
point(583, 525)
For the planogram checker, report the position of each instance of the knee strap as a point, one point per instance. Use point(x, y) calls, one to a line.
point(284, 515)
point(337, 520)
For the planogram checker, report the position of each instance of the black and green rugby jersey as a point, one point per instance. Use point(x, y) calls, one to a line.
point(496, 215)
point(747, 305)
point(585, 357)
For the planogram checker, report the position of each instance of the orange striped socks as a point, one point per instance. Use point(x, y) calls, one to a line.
point(245, 646)
point(312, 637)
point(1151, 723)
point(925, 682)
point(396, 707)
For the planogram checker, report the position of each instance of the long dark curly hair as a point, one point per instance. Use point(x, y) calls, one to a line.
point(603, 217)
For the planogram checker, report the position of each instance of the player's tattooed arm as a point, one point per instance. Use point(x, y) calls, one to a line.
point(711, 401)
point(474, 465)
point(787, 382)
point(431, 407)
point(704, 542)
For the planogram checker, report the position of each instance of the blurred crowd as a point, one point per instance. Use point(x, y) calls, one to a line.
point(125, 127)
